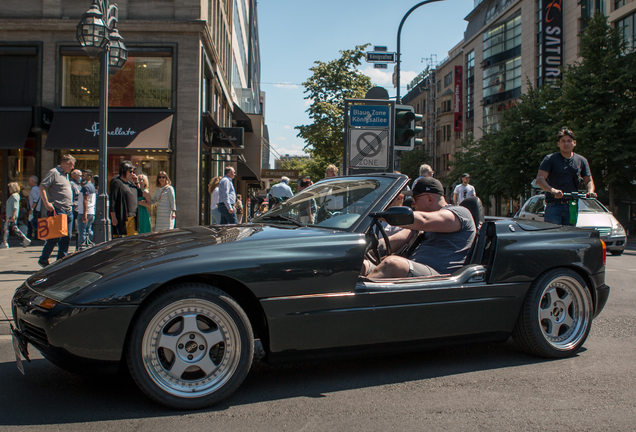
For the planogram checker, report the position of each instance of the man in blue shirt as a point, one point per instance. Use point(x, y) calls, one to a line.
point(280, 191)
point(560, 172)
point(227, 198)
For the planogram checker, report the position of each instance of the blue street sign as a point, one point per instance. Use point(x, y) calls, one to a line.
point(369, 116)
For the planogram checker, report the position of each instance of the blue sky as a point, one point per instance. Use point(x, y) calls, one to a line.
point(295, 34)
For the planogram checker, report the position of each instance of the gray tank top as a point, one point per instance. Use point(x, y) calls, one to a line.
point(446, 252)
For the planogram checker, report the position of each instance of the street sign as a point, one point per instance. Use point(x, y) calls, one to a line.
point(369, 116)
point(379, 48)
point(369, 148)
point(379, 65)
point(382, 57)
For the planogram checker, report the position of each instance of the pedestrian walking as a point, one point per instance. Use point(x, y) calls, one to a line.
point(561, 172)
point(425, 171)
point(86, 211)
point(145, 206)
point(76, 186)
point(213, 189)
point(35, 205)
point(279, 192)
point(12, 214)
point(227, 197)
point(238, 206)
point(122, 200)
point(57, 198)
point(166, 203)
point(463, 190)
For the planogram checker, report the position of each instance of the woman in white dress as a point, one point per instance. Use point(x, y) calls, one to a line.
point(213, 188)
point(166, 204)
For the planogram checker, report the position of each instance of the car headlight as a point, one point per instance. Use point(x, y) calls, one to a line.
point(64, 289)
point(618, 230)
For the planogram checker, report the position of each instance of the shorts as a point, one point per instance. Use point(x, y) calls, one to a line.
point(417, 269)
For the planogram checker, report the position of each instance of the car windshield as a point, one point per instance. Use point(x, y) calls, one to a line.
point(330, 203)
point(590, 206)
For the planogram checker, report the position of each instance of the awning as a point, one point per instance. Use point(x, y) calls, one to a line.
point(15, 124)
point(79, 129)
point(242, 119)
point(245, 171)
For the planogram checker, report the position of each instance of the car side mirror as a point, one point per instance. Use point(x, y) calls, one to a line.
point(396, 216)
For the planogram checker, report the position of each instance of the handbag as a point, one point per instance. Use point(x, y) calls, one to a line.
point(51, 227)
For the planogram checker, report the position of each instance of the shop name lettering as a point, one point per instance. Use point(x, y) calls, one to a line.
point(115, 132)
point(367, 117)
point(552, 48)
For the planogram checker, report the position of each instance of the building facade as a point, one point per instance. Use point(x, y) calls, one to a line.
point(187, 101)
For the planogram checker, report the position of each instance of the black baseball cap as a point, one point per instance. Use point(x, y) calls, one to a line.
point(427, 185)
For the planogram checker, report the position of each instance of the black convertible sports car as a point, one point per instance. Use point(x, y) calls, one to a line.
point(181, 309)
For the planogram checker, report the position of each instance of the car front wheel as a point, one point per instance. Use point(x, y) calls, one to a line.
point(556, 316)
point(190, 347)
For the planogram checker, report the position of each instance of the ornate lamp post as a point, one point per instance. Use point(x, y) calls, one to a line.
point(98, 35)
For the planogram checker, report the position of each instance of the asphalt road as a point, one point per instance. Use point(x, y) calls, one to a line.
point(482, 387)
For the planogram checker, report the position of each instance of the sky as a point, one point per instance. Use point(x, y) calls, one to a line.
point(295, 33)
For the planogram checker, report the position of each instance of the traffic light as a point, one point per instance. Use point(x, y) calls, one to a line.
point(405, 129)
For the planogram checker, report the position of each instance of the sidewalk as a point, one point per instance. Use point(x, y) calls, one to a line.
point(16, 265)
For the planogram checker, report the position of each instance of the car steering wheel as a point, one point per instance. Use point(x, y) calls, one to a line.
point(373, 249)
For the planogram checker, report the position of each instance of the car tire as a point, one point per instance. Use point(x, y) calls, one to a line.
point(616, 253)
point(190, 347)
point(556, 315)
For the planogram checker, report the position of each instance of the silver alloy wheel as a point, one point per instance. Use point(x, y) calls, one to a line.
point(565, 312)
point(191, 348)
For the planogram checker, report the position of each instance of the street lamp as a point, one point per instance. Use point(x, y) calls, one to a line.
point(98, 35)
point(397, 66)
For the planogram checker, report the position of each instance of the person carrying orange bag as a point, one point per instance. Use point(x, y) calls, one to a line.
point(57, 198)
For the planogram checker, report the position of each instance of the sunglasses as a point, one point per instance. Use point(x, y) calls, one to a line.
point(161, 177)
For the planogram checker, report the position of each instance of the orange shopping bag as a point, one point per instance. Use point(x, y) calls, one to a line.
point(52, 227)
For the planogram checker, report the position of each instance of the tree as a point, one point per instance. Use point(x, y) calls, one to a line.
point(411, 161)
point(599, 104)
point(328, 87)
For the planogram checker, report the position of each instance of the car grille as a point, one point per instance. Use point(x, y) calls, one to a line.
point(34, 333)
point(602, 231)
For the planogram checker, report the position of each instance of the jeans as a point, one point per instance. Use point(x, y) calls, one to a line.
point(85, 229)
point(557, 213)
point(62, 247)
point(215, 216)
point(226, 216)
point(32, 226)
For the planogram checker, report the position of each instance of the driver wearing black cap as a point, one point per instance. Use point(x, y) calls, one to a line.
point(449, 232)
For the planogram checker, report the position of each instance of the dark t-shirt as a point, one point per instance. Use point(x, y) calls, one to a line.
point(563, 174)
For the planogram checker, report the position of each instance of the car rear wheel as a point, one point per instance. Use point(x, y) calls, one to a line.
point(190, 347)
point(556, 316)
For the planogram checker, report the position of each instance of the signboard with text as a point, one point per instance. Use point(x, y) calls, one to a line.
point(458, 99)
point(551, 41)
point(369, 116)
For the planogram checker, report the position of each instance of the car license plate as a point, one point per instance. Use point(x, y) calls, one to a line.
point(18, 355)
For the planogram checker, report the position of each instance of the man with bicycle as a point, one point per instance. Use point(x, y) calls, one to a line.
point(560, 173)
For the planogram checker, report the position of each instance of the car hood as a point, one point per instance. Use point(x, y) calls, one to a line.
point(595, 220)
point(160, 257)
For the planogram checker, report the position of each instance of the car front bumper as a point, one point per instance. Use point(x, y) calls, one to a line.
point(76, 338)
point(615, 243)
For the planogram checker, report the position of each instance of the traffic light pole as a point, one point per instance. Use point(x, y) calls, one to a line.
point(398, 100)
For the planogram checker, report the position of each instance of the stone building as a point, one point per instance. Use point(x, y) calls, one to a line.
point(187, 101)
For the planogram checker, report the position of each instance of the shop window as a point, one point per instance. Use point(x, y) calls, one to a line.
point(145, 81)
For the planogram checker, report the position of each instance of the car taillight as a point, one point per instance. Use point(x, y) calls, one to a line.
point(604, 253)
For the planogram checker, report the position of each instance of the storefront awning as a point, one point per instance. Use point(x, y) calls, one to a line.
point(79, 129)
point(245, 172)
point(242, 119)
point(15, 124)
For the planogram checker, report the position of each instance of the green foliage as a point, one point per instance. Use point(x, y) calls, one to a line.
point(599, 104)
point(314, 168)
point(411, 161)
point(328, 87)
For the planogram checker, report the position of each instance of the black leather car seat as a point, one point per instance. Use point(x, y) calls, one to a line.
point(473, 204)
